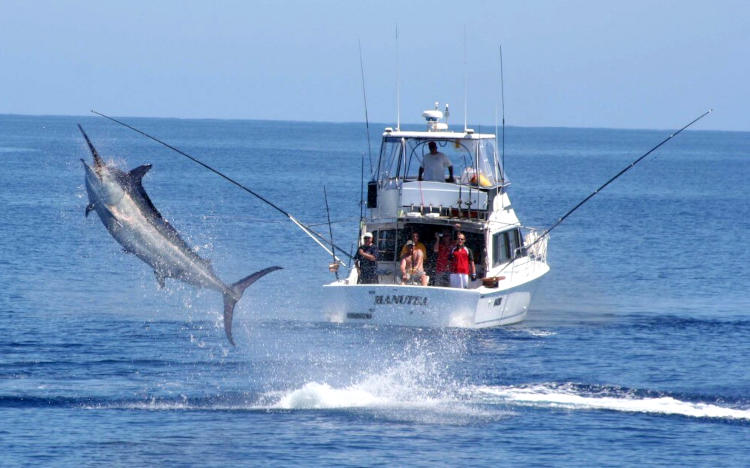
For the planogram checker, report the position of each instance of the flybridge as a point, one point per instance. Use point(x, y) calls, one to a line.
point(400, 184)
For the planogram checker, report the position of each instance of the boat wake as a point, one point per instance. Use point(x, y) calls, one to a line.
point(580, 397)
point(489, 399)
point(386, 397)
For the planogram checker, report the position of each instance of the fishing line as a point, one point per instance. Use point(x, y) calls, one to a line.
point(313, 235)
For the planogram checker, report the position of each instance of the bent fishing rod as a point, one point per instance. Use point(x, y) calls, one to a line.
point(318, 238)
point(330, 231)
point(623, 171)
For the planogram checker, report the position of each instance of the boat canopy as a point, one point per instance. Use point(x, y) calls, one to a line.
point(402, 152)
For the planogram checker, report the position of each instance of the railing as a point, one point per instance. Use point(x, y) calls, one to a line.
point(535, 247)
point(415, 198)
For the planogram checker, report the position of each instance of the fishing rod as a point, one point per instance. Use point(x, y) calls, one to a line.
point(361, 195)
point(318, 238)
point(335, 264)
point(624, 170)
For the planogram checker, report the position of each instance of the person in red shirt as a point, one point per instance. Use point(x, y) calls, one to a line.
point(462, 263)
point(442, 247)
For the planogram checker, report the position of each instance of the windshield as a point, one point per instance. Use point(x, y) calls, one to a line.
point(402, 157)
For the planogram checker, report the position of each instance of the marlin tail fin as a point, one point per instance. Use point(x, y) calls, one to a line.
point(237, 289)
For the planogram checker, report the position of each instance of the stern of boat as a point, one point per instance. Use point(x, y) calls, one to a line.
point(430, 306)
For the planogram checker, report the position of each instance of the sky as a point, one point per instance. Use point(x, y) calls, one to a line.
point(606, 64)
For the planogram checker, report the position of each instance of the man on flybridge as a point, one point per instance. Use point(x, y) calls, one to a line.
point(434, 164)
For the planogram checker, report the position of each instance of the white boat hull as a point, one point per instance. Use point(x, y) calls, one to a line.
point(430, 306)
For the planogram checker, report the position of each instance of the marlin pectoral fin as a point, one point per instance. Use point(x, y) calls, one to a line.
point(159, 279)
point(89, 208)
point(140, 171)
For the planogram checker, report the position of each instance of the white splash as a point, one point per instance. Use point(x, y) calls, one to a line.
point(411, 383)
point(314, 395)
point(415, 390)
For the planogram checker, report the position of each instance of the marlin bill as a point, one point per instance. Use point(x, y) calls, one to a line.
point(127, 212)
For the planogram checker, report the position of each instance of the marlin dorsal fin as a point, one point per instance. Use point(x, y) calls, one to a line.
point(140, 171)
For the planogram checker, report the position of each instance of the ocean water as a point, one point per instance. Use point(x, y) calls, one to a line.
point(636, 349)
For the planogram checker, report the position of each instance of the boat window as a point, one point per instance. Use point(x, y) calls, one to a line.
point(467, 155)
point(506, 246)
point(390, 159)
point(386, 244)
point(455, 150)
point(482, 155)
point(487, 154)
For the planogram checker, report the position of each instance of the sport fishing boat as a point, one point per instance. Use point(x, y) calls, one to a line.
point(510, 259)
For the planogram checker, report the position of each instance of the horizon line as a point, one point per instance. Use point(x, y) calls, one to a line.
point(385, 124)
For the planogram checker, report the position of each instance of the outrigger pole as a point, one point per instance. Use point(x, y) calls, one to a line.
point(562, 218)
point(314, 235)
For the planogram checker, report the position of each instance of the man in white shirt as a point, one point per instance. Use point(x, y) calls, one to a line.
point(434, 164)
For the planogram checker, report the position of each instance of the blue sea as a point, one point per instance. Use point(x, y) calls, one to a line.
point(636, 350)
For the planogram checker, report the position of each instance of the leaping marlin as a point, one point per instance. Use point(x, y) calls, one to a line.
point(127, 212)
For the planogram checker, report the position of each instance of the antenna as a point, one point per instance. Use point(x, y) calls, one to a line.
point(502, 101)
point(364, 97)
point(398, 84)
point(466, 86)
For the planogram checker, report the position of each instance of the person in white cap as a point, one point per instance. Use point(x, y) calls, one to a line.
point(367, 260)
